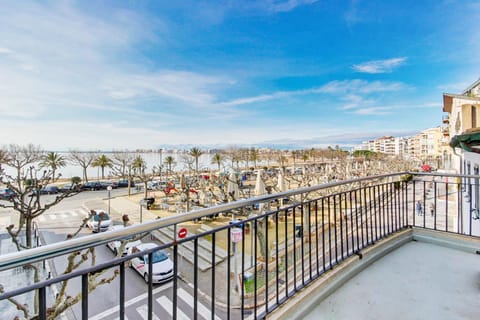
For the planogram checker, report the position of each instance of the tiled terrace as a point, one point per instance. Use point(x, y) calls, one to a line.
point(423, 275)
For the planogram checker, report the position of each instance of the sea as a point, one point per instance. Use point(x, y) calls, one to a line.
point(152, 159)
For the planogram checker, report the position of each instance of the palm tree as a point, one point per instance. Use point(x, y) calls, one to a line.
point(217, 159)
point(103, 162)
point(282, 160)
point(313, 154)
point(169, 161)
point(254, 156)
point(294, 156)
point(305, 156)
point(139, 165)
point(54, 161)
point(246, 157)
point(196, 153)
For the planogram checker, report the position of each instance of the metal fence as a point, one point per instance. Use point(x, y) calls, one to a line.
point(276, 245)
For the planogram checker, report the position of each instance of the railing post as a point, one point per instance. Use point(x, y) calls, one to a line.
point(85, 296)
point(42, 303)
point(122, 291)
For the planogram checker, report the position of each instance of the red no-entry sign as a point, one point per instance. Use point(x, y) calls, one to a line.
point(182, 233)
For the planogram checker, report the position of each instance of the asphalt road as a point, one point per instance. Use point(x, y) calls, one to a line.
point(103, 302)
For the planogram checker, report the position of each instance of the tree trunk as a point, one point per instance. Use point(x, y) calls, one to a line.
point(28, 231)
point(261, 226)
point(85, 178)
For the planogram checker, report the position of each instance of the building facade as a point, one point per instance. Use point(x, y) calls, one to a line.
point(463, 129)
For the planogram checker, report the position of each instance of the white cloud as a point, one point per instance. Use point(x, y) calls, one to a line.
point(379, 66)
point(334, 87)
point(354, 101)
point(185, 86)
point(5, 51)
point(374, 111)
point(436, 105)
point(288, 5)
point(360, 86)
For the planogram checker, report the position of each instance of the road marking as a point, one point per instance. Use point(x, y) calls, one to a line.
point(143, 311)
point(52, 216)
point(64, 215)
point(188, 298)
point(74, 213)
point(168, 306)
point(41, 218)
point(130, 302)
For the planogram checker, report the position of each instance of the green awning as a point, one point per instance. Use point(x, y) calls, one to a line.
point(468, 142)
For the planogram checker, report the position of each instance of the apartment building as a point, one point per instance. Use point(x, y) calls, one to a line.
point(427, 146)
point(463, 129)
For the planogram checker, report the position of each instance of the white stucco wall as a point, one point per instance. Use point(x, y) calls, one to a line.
point(472, 161)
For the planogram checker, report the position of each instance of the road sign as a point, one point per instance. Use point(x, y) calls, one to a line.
point(182, 233)
point(236, 235)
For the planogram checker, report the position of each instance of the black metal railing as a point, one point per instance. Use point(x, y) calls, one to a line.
point(249, 267)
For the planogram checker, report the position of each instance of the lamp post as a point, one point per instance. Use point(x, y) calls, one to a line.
point(141, 213)
point(109, 188)
point(160, 164)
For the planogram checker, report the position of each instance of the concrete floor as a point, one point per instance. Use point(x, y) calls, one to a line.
point(416, 281)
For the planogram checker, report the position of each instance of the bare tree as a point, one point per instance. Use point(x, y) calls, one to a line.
point(25, 187)
point(122, 166)
point(84, 160)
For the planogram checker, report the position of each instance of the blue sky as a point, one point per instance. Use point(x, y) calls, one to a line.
point(143, 74)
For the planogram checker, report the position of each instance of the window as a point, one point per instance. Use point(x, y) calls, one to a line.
point(474, 117)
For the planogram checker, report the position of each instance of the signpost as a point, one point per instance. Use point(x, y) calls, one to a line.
point(182, 233)
point(236, 235)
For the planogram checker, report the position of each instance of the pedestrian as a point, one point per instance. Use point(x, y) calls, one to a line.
point(432, 209)
point(418, 208)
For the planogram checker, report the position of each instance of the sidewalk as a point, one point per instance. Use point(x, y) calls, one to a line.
point(123, 205)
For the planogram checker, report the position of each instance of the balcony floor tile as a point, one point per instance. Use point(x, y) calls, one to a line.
point(416, 281)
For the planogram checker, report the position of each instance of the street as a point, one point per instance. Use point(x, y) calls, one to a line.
point(103, 302)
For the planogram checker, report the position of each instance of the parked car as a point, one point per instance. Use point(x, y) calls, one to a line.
point(6, 194)
point(49, 190)
point(46, 190)
point(92, 186)
point(115, 245)
point(124, 183)
point(99, 218)
point(106, 184)
point(162, 266)
point(68, 187)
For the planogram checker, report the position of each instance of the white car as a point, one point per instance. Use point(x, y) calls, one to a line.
point(100, 217)
point(162, 266)
point(115, 245)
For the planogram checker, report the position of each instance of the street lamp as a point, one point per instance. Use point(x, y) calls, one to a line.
point(141, 213)
point(160, 165)
point(109, 188)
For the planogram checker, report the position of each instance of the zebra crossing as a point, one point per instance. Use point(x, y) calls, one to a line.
point(163, 309)
point(77, 214)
